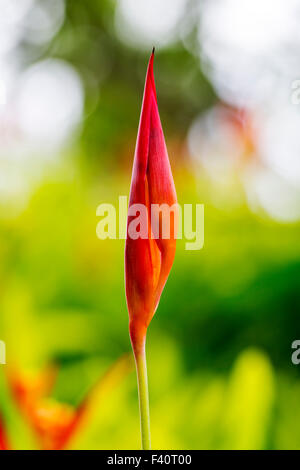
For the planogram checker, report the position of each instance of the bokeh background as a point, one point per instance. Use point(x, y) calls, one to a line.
point(219, 346)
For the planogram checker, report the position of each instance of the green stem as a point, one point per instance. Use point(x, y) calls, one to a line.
point(141, 369)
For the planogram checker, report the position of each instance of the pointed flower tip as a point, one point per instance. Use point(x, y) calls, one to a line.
point(151, 60)
point(150, 73)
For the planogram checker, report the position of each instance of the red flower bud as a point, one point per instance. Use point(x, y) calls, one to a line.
point(148, 260)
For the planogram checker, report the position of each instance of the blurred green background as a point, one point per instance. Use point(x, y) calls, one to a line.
point(219, 347)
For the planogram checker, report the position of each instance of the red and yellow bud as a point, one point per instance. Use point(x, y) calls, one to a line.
point(148, 261)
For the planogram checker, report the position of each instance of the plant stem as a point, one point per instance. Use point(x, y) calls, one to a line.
point(141, 369)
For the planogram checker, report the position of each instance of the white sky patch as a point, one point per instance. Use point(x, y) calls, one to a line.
point(36, 21)
point(12, 14)
point(272, 193)
point(279, 142)
point(145, 23)
point(50, 102)
point(253, 26)
point(44, 20)
point(247, 44)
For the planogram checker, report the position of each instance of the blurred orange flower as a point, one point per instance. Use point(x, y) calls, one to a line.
point(56, 424)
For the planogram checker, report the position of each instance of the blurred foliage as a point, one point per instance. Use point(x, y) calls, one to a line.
point(219, 346)
point(63, 301)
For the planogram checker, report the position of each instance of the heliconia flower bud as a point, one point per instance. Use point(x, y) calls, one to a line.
point(148, 260)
